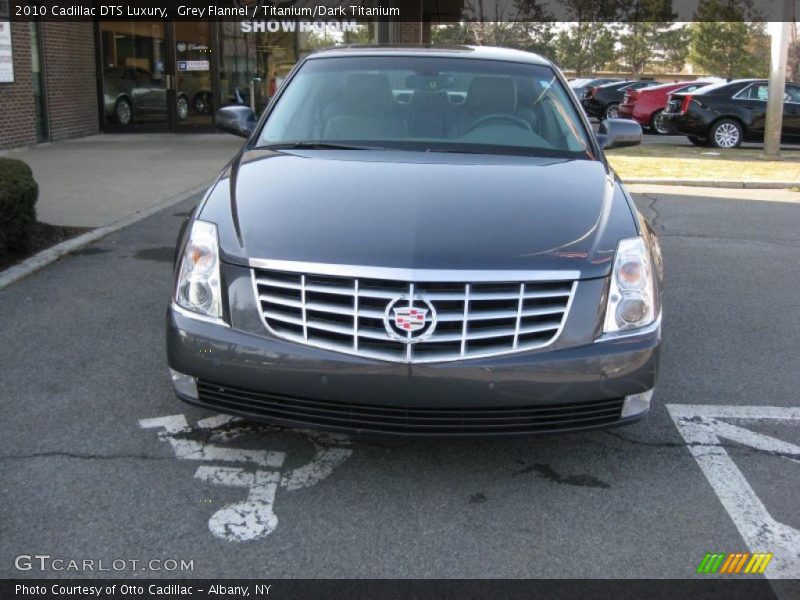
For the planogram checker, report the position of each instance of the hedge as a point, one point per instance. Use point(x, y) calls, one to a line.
point(18, 195)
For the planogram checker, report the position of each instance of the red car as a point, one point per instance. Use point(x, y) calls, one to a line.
point(645, 105)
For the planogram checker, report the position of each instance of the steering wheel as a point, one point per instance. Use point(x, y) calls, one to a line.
point(500, 117)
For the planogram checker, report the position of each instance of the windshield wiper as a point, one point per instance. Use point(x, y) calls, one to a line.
point(317, 146)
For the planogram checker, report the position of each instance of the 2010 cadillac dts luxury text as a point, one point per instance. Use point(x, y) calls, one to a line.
point(419, 241)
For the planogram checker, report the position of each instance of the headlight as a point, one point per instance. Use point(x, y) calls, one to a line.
point(631, 299)
point(198, 289)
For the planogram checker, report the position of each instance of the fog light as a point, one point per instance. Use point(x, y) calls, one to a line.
point(637, 404)
point(185, 385)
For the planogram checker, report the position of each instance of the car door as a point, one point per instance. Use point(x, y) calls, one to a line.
point(791, 112)
point(750, 105)
point(153, 95)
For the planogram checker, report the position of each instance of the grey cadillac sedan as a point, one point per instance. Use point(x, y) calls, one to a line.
point(419, 241)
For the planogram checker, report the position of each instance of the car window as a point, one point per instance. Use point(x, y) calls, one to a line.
point(755, 91)
point(792, 93)
point(428, 104)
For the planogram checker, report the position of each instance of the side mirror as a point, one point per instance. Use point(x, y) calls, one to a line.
point(619, 133)
point(238, 120)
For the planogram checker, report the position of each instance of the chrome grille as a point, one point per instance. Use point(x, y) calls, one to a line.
point(472, 319)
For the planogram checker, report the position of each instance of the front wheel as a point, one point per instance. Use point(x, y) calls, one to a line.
point(612, 111)
point(182, 108)
point(123, 112)
point(726, 134)
point(658, 124)
point(202, 103)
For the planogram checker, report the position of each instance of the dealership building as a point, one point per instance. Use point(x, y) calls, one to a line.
point(61, 80)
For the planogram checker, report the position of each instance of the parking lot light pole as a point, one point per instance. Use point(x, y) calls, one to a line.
point(777, 82)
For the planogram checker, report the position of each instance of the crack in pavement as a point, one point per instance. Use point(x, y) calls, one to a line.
point(729, 239)
point(64, 454)
point(670, 445)
point(652, 207)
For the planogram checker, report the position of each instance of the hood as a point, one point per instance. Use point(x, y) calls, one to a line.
point(420, 210)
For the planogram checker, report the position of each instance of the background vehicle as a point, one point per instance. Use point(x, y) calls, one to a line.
point(579, 86)
point(131, 93)
point(603, 101)
point(726, 114)
point(645, 105)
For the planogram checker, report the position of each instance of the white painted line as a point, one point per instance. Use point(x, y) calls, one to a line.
point(52, 254)
point(703, 426)
point(254, 517)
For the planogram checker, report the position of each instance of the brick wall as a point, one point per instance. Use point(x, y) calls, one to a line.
point(70, 75)
point(17, 114)
point(410, 31)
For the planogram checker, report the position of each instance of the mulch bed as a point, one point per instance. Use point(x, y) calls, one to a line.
point(44, 236)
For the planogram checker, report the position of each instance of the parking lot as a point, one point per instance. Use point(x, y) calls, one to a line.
point(101, 461)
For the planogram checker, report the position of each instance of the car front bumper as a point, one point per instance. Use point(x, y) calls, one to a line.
point(600, 384)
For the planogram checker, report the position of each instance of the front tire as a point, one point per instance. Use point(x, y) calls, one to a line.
point(202, 103)
point(612, 111)
point(123, 112)
point(726, 133)
point(657, 123)
point(182, 108)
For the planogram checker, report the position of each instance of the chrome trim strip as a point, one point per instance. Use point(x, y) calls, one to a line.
point(647, 329)
point(197, 316)
point(465, 326)
point(520, 304)
point(355, 314)
point(400, 274)
point(303, 305)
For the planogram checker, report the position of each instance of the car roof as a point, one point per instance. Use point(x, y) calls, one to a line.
point(474, 52)
point(710, 89)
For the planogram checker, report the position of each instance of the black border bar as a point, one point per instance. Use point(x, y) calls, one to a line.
point(706, 588)
point(432, 11)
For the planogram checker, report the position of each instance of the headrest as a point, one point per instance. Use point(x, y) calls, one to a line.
point(368, 94)
point(491, 95)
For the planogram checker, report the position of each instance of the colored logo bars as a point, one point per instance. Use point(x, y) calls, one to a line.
point(739, 562)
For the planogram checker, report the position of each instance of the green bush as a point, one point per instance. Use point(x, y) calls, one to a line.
point(18, 195)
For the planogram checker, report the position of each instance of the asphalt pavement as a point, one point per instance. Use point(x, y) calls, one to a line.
point(100, 461)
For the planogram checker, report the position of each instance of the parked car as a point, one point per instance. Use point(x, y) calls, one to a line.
point(369, 265)
point(580, 86)
point(726, 114)
point(646, 105)
point(131, 92)
point(603, 101)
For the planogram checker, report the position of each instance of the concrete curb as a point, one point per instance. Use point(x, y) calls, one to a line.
point(52, 254)
point(714, 183)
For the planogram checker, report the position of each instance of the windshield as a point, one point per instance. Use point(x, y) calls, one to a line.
point(427, 104)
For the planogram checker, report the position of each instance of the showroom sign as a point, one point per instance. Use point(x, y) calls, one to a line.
point(318, 27)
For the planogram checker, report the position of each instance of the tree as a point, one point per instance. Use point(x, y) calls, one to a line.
point(793, 66)
point(521, 24)
point(585, 47)
point(588, 44)
point(646, 34)
point(730, 46)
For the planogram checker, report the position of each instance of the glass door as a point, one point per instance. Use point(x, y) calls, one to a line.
point(134, 76)
point(193, 67)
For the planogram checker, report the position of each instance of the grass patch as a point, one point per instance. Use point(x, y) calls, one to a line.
point(691, 162)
